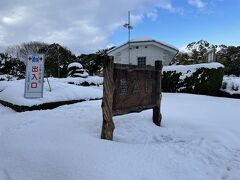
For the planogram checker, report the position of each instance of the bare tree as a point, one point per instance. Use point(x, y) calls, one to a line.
point(13, 51)
point(22, 51)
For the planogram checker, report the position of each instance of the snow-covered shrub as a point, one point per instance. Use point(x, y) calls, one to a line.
point(75, 69)
point(231, 85)
point(203, 78)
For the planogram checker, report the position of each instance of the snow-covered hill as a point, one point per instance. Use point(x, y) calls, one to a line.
point(200, 46)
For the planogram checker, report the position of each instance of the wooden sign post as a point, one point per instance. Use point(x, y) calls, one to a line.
point(129, 88)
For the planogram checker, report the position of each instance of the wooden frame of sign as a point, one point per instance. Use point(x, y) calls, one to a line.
point(127, 89)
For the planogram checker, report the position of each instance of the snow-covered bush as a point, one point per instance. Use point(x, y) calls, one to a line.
point(203, 78)
point(75, 69)
point(231, 85)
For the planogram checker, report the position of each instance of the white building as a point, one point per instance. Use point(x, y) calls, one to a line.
point(211, 55)
point(143, 52)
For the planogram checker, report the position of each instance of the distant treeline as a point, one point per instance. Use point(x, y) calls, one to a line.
point(12, 61)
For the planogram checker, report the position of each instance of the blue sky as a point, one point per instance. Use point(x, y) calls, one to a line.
point(87, 26)
point(216, 21)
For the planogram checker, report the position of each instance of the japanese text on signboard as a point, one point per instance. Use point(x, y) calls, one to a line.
point(34, 76)
point(135, 88)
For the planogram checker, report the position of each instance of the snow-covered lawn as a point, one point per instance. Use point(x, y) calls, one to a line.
point(6, 77)
point(199, 140)
point(13, 92)
point(231, 85)
point(78, 80)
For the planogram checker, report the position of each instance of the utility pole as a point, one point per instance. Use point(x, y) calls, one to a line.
point(45, 54)
point(129, 27)
point(58, 63)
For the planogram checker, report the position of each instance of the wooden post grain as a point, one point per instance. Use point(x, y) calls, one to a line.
point(108, 89)
point(157, 117)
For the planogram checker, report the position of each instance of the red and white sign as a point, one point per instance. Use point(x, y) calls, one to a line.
point(34, 76)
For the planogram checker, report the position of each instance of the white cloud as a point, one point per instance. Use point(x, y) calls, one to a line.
point(153, 15)
point(83, 26)
point(15, 16)
point(197, 3)
point(166, 5)
point(135, 19)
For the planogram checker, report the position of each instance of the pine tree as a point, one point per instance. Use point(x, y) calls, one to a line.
point(57, 59)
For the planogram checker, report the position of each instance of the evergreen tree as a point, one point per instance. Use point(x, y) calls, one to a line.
point(90, 62)
point(181, 59)
point(57, 59)
point(230, 58)
point(93, 62)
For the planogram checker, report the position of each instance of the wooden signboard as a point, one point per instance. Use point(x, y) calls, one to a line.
point(129, 88)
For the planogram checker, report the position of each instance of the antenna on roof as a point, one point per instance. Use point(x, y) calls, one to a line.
point(129, 27)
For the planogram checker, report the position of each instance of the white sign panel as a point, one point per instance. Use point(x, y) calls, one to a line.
point(34, 76)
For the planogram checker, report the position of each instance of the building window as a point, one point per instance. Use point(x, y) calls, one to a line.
point(141, 61)
point(137, 47)
point(145, 46)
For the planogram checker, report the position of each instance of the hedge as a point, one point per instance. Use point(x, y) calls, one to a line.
point(197, 79)
point(44, 106)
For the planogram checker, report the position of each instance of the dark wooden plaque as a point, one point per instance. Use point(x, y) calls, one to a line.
point(129, 88)
point(135, 89)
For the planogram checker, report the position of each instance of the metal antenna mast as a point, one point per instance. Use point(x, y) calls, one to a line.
point(129, 27)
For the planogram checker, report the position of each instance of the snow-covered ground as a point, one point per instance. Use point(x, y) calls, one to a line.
point(78, 80)
point(231, 85)
point(13, 92)
point(6, 77)
point(198, 140)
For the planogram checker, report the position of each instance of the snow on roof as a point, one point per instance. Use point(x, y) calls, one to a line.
point(141, 39)
point(144, 39)
point(75, 64)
